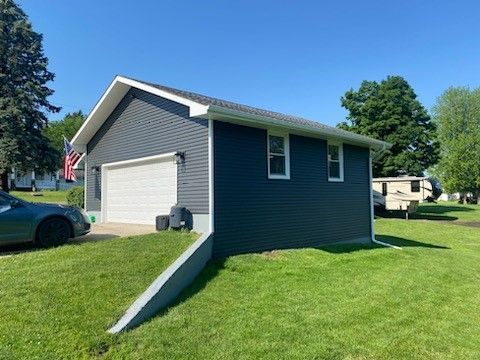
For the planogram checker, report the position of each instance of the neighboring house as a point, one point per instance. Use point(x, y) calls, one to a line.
point(403, 192)
point(30, 180)
point(258, 180)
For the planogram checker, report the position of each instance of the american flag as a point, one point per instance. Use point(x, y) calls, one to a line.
point(71, 159)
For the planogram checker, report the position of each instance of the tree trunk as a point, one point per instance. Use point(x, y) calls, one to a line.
point(4, 181)
point(465, 202)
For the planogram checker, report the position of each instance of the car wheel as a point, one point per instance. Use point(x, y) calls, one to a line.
point(53, 232)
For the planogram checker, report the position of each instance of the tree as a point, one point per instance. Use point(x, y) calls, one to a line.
point(457, 115)
point(68, 127)
point(23, 96)
point(390, 111)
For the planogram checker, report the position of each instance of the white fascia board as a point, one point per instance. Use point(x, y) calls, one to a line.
point(218, 111)
point(112, 97)
point(196, 109)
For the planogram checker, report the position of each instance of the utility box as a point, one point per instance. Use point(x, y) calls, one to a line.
point(177, 217)
point(161, 222)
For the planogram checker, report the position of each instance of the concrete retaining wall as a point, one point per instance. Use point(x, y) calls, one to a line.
point(168, 285)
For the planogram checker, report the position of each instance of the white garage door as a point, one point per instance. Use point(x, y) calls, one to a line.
point(136, 192)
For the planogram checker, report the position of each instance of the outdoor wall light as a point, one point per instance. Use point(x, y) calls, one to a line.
point(179, 157)
point(95, 170)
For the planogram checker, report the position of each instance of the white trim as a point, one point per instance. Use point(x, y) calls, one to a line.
point(120, 86)
point(340, 161)
point(147, 158)
point(211, 183)
point(85, 188)
point(372, 213)
point(286, 138)
point(196, 108)
point(115, 92)
point(104, 169)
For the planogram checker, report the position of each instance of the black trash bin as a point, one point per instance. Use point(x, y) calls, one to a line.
point(161, 222)
point(177, 217)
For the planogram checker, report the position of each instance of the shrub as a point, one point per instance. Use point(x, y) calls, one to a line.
point(75, 196)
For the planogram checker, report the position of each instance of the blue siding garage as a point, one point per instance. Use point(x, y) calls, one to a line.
point(144, 125)
point(259, 180)
point(255, 213)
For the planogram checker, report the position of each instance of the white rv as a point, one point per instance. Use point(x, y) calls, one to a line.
point(402, 193)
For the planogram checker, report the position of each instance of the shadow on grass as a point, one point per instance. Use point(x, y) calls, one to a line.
point(14, 249)
point(427, 212)
point(441, 209)
point(415, 216)
point(210, 271)
point(392, 240)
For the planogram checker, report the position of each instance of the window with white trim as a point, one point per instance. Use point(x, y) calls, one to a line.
point(278, 155)
point(335, 161)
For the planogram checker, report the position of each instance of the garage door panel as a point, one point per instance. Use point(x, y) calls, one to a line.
point(139, 191)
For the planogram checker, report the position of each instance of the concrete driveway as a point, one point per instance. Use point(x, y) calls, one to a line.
point(102, 231)
point(99, 232)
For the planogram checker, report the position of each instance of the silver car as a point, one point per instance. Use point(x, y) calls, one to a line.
point(44, 224)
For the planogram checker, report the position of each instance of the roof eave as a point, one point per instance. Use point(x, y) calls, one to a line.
point(218, 111)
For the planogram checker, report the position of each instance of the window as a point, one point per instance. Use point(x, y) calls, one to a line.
point(415, 186)
point(4, 204)
point(335, 161)
point(278, 156)
point(384, 189)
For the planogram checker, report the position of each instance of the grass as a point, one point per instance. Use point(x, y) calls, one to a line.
point(58, 197)
point(57, 303)
point(339, 302)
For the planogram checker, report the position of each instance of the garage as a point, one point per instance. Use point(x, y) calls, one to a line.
point(136, 191)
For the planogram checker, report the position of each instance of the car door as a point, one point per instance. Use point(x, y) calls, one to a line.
point(15, 221)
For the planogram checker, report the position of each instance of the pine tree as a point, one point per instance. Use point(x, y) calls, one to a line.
point(23, 96)
point(390, 111)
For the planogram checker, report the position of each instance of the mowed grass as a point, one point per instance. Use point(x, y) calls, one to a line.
point(57, 197)
point(58, 303)
point(342, 302)
point(339, 302)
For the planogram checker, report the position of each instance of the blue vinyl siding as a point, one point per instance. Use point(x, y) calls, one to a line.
point(254, 213)
point(145, 125)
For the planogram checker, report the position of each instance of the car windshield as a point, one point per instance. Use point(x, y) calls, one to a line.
point(9, 197)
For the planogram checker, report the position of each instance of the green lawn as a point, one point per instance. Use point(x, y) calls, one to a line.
point(57, 303)
point(58, 197)
point(340, 302)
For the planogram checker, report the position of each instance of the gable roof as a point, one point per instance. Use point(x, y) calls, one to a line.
point(210, 107)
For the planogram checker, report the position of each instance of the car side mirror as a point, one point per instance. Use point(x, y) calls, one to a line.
point(15, 204)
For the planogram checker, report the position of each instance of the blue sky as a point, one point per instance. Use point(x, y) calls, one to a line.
point(296, 57)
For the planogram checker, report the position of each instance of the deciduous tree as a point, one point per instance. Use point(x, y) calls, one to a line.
point(457, 115)
point(390, 111)
point(68, 127)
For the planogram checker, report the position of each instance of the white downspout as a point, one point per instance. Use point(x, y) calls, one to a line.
point(372, 215)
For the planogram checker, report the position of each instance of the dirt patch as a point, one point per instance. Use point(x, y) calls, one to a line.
point(274, 254)
point(474, 224)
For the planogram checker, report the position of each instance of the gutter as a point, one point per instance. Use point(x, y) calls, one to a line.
point(268, 121)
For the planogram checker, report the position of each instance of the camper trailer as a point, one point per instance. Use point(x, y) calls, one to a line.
point(403, 193)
